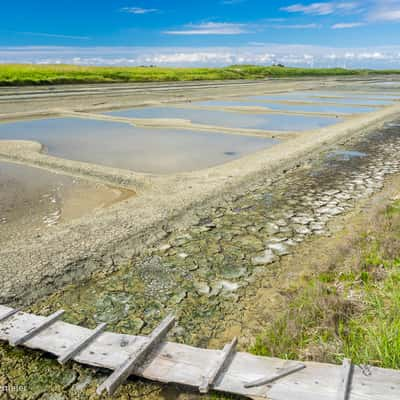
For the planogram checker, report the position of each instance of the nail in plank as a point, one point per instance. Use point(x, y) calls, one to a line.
point(345, 380)
point(34, 331)
point(226, 357)
point(78, 347)
point(9, 314)
point(137, 358)
point(281, 374)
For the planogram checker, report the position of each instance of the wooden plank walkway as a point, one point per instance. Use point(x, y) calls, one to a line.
point(220, 370)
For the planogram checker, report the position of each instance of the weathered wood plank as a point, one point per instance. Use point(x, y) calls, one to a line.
point(280, 374)
point(9, 314)
point(226, 358)
point(34, 331)
point(345, 380)
point(138, 357)
point(182, 364)
point(78, 347)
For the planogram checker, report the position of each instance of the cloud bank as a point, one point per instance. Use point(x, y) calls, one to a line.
point(256, 53)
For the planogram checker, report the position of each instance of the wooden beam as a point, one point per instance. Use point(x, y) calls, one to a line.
point(9, 314)
point(134, 361)
point(226, 357)
point(35, 330)
point(346, 375)
point(78, 347)
point(281, 374)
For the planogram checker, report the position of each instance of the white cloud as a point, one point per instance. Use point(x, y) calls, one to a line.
point(347, 25)
point(313, 9)
point(372, 10)
point(211, 28)
point(384, 11)
point(347, 7)
point(139, 10)
point(322, 8)
point(384, 15)
point(296, 26)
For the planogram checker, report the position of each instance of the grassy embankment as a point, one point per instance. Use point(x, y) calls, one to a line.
point(350, 310)
point(21, 74)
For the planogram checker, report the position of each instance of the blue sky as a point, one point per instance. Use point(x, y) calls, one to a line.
point(348, 33)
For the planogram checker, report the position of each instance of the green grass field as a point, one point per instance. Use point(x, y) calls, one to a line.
point(24, 74)
point(349, 313)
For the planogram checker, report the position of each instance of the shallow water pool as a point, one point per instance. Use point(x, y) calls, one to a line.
point(317, 108)
point(140, 149)
point(32, 199)
point(308, 98)
point(274, 122)
point(369, 95)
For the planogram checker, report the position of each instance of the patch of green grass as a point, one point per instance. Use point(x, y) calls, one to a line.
point(306, 325)
point(353, 313)
point(393, 209)
point(373, 337)
point(27, 74)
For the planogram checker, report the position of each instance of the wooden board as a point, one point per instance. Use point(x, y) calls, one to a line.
point(186, 365)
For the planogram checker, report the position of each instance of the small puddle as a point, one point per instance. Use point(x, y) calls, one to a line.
point(231, 119)
point(345, 155)
point(392, 124)
point(32, 200)
point(140, 149)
